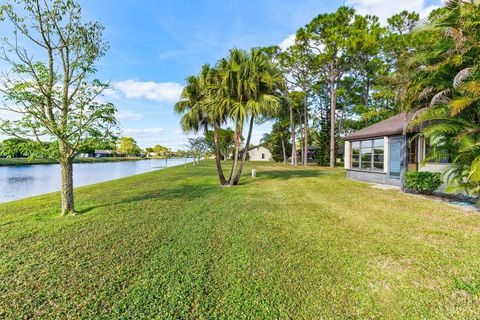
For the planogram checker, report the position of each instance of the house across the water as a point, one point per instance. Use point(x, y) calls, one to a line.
point(383, 152)
point(259, 153)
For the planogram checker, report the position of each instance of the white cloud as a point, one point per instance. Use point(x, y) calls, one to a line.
point(109, 92)
point(142, 132)
point(9, 115)
point(128, 115)
point(287, 42)
point(386, 8)
point(156, 91)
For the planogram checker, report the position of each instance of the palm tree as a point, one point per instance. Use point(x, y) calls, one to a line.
point(444, 84)
point(193, 106)
point(247, 91)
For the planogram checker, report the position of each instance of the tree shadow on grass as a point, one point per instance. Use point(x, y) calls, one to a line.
point(187, 192)
point(281, 175)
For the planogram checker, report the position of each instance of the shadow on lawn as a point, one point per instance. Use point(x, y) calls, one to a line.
point(186, 192)
point(281, 175)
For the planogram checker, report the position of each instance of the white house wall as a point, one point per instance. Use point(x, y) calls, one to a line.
point(256, 154)
point(347, 154)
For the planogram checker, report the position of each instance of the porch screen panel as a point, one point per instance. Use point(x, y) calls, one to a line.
point(368, 155)
point(378, 154)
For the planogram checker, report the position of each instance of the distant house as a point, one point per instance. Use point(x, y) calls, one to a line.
point(259, 153)
point(312, 154)
point(383, 152)
point(104, 153)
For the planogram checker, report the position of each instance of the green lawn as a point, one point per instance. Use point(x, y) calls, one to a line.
point(26, 161)
point(292, 243)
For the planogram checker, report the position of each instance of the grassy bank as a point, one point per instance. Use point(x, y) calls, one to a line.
point(292, 243)
point(25, 161)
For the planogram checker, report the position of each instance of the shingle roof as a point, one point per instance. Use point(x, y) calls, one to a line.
point(389, 127)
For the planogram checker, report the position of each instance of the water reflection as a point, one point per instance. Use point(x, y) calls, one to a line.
point(18, 182)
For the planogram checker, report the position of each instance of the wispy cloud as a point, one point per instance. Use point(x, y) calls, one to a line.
point(156, 91)
point(128, 116)
point(386, 8)
point(142, 132)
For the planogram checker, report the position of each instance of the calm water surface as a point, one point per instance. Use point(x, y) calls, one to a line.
point(17, 182)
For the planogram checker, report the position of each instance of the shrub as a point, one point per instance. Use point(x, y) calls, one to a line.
point(423, 181)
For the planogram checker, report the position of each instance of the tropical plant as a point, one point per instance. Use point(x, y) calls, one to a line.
point(193, 107)
point(444, 84)
point(247, 91)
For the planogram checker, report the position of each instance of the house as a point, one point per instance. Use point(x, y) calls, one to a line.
point(383, 152)
point(107, 153)
point(312, 154)
point(259, 153)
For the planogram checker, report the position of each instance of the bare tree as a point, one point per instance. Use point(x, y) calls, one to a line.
point(51, 92)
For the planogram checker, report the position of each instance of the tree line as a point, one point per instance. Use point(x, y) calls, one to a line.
point(346, 71)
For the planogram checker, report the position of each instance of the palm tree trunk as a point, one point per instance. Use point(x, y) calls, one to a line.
point(237, 138)
point(244, 155)
point(305, 136)
point(218, 160)
point(294, 143)
point(68, 205)
point(333, 105)
point(284, 152)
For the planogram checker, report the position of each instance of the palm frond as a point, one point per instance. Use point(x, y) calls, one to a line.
point(440, 98)
point(461, 76)
point(461, 103)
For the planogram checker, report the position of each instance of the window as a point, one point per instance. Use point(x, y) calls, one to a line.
point(263, 155)
point(368, 155)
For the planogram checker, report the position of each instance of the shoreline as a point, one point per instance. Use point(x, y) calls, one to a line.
point(12, 162)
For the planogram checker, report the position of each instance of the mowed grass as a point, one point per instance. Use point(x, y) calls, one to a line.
point(298, 243)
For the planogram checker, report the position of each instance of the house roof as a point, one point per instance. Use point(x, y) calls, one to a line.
point(389, 127)
point(257, 146)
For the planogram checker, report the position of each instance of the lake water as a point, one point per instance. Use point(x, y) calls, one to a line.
point(17, 182)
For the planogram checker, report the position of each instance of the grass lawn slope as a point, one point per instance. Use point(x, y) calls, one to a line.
point(292, 243)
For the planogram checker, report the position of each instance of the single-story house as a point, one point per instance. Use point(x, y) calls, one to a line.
point(107, 153)
point(383, 152)
point(311, 154)
point(103, 153)
point(259, 153)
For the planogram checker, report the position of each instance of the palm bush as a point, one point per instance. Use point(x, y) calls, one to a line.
point(444, 89)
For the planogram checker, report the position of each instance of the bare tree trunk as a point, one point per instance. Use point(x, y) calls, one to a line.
point(366, 92)
point(218, 160)
point(284, 152)
point(333, 105)
point(301, 136)
point(294, 142)
point(244, 155)
point(305, 136)
point(68, 205)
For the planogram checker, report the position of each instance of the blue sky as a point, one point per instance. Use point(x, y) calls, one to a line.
point(154, 45)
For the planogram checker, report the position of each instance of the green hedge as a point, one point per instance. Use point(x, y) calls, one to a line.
point(423, 181)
